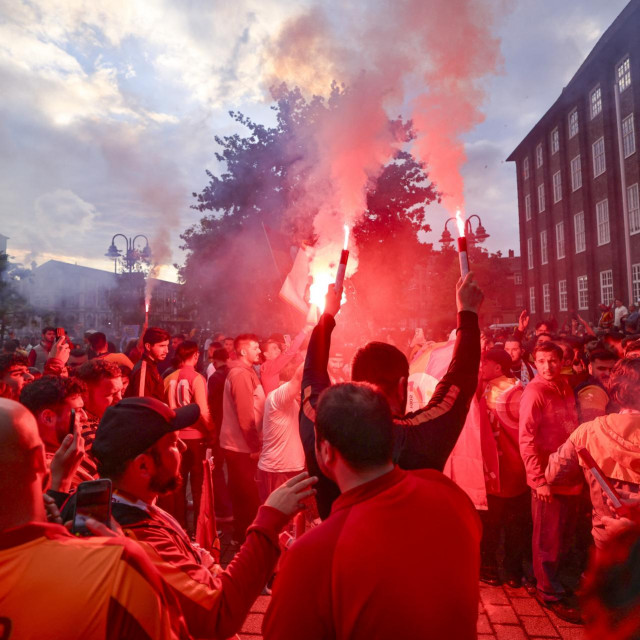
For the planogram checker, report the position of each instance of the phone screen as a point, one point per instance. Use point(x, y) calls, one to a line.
point(72, 421)
point(59, 333)
point(93, 499)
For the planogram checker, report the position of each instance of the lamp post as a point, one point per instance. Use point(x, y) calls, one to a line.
point(480, 234)
point(132, 255)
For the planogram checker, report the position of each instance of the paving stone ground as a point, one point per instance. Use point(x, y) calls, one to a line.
point(504, 614)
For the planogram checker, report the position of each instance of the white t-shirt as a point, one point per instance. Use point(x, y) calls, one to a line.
point(619, 313)
point(281, 445)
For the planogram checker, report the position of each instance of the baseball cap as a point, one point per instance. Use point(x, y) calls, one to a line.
point(130, 427)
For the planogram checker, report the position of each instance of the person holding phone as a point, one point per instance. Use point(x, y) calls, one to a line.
point(137, 447)
point(53, 585)
point(612, 442)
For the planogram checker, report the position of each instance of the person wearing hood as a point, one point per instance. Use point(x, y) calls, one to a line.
point(614, 442)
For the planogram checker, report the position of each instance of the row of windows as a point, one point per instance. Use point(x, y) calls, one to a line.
point(606, 291)
point(599, 167)
point(603, 228)
point(623, 75)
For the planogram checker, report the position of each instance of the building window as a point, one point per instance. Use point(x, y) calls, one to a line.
point(562, 295)
point(557, 187)
point(525, 168)
point(527, 207)
point(517, 278)
point(544, 254)
point(576, 173)
point(555, 141)
point(539, 157)
point(541, 198)
point(560, 240)
point(624, 74)
point(532, 299)
point(578, 227)
point(530, 253)
point(596, 102)
point(546, 298)
point(628, 136)
point(633, 207)
point(519, 301)
point(602, 216)
point(635, 279)
point(583, 293)
point(573, 123)
point(606, 287)
point(599, 163)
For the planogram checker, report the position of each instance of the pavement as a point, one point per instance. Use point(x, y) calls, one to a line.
point(504, 613)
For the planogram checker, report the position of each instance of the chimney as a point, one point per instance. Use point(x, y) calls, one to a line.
point(511, 253)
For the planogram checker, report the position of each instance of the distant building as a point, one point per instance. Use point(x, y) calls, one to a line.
point(82, 298)
point(572, 194)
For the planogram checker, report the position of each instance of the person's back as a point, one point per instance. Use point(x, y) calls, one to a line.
point(399, 555)
point(53, 585)
point(399, 549)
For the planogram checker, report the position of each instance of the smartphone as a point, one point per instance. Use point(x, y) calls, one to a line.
point(602, 480)
point(72, 421)
point(60, 333)
point(93, 498)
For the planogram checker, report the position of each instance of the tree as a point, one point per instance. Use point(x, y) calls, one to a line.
point(229, 269)
point(13, 306)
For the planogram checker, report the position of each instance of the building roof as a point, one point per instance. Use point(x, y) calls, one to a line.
point(607, 37)
point(59, 265)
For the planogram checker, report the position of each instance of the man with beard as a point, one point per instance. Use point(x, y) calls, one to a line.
point(145, 374)
point(138, 448)
point(592, 396)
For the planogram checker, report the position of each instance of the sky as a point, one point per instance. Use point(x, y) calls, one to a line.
point(109, 109)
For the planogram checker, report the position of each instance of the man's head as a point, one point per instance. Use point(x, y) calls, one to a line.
point(271, 349)
point(103, 380)
point(49, 336)
point(156, 343)
point(228, 345)
point(51, 399)
point(219, 357)
point(187, 353)
point(23, 469)
point(176, 340)
point(624, 382)
point(495, 363)
point(386, 367)
point(618, 302)
point(98, 342)
point(601, 362)
point(138, 448)
point(632, 349)
point(247, 348)
point(353, 427)
point(542, 327)
point(548, 360)
point(513, 347)
point(14, 373)
point(543, 337)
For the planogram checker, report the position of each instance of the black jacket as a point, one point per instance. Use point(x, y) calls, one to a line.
point(423, 439)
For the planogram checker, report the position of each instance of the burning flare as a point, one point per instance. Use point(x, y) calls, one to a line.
point(460, 223)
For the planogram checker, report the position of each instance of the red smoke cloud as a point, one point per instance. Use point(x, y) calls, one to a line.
point(426, 60)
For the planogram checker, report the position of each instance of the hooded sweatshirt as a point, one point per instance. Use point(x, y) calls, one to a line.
point(614, 443)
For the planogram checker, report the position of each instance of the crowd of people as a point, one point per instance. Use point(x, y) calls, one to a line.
point(395, 548)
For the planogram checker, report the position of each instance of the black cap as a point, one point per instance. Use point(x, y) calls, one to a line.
point(132, 426)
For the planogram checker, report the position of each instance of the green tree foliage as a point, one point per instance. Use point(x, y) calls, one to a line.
point(14, 309)
point(229, 268)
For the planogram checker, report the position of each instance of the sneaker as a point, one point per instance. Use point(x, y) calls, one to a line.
point(563, 610)
point(489, 575)
point(529, 585)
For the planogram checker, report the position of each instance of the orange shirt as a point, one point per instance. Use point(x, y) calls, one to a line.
point(53, 585)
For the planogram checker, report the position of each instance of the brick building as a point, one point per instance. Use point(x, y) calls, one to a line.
point(576, 246)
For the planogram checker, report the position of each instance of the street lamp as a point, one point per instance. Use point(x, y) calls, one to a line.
point(132, 255)
point(480, 234)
